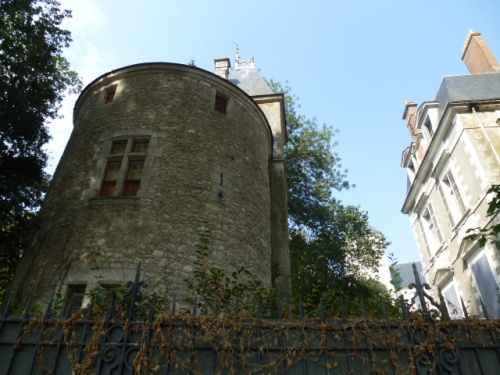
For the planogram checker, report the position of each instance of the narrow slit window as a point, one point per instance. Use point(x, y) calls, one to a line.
point(109, 97)
point(220, 104)
point(428, 125)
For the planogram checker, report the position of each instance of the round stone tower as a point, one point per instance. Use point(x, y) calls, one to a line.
point(159, 151)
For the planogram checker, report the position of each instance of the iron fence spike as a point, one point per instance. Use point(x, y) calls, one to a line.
point(46, 314)
point(7, 306)
point(152, 309)
point(343, 310)
point(27, 308)
point(404, 308)
point(91, 309)
point(363, 308)
point(280, 308)
point(321, 309)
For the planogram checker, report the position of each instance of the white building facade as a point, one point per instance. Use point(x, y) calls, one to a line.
point(452, 162)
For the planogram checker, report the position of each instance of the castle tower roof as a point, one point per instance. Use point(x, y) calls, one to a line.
point(246, 77)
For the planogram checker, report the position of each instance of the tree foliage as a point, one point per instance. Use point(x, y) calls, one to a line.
point(34, 76)
point(489, 233)
point(332, 245)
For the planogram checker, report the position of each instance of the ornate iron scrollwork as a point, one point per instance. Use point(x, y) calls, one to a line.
point(133, 296)
point(430, 308)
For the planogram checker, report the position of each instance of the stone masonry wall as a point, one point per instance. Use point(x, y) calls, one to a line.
point(200, 165)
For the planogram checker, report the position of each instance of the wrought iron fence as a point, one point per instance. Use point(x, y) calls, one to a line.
point(133, 337)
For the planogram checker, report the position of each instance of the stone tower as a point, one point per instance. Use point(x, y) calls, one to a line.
point(157, 151)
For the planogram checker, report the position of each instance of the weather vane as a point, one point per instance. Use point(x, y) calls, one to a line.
point(237, 58)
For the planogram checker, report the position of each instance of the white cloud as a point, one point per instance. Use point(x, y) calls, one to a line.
point(86, 57)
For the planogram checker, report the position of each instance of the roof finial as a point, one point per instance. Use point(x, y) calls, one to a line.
point(243, 64)
point(237, 57)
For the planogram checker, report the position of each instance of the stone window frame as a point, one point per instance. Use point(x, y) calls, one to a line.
point(424, 237)
point(122, 183)
point(91, 195)
point(452, 197)
point(430, 228)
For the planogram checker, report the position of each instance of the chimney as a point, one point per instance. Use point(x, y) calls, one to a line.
point(222, 66)
point(410, 116)
point(477, 56)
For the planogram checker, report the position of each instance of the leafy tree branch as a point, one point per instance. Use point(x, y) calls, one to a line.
point(332, 245)
point(34, 77)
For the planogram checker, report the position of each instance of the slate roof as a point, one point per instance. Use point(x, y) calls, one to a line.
point(406, 276)
point(250, 81)
point(470, 87)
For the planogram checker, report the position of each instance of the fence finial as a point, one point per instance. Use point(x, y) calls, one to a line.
point(426, 301)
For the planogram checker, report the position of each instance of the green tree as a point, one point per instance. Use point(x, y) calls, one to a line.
point(34, 76)
point(330, 243)
point(489, 233)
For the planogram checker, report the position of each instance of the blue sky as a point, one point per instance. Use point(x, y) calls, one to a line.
point(352, 64)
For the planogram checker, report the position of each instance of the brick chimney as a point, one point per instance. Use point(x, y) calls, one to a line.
point(410, 116)
point(477, 56)
point(222, 66)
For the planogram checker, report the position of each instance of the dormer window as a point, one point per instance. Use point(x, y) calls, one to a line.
point(428, 126)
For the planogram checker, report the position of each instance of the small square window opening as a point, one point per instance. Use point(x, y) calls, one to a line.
point(220, 104)
point(109, 97)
